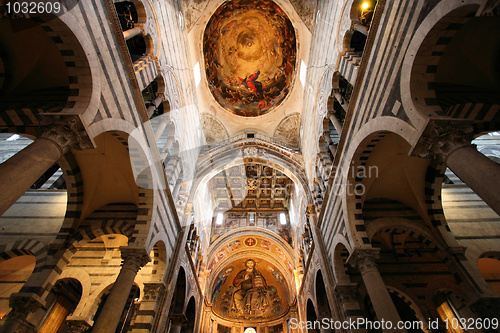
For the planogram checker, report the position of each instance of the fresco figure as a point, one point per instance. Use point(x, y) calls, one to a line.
point(221, 279)
point(251, 298)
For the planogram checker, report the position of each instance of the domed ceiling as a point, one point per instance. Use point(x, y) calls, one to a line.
point(250, 52)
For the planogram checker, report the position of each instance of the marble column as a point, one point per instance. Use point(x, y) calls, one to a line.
point(364, 260)
point(131, 33)
point(177, 322)
point(133, 259)
point(21, 307)
point(450, 143)
point(336, 123)
point(23, 169)
point(156, 103)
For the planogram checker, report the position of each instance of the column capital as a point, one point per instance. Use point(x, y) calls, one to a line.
point(22, 305)
point(442, 137)
point(65, 132)
point(134, 258)
point(153, 291)
point(77, 326)
point(364, 259)
point(178, 319)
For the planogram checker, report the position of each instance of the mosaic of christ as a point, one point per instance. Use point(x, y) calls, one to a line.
point(250, 54)
point(254, 290)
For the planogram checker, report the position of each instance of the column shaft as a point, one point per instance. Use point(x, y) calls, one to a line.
point(133, 260)
point(111, 312)
point(131, 33)
point(20, 171)
point(176, 328)
point(380, 298)
point(336, 123)
point(382, 303)
point(480, 173)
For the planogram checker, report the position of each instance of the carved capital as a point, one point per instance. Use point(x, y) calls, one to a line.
point(442, 137)
point(153, 291)
point(77, 326)
point(21, 306)
point(178, 319)
point(65, 132)
point(134, 258)
point(364, 259)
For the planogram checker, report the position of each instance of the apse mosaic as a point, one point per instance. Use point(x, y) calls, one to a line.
point(250, 289)
point(250, 55)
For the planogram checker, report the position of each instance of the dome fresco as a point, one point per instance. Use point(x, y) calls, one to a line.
point(250, 54)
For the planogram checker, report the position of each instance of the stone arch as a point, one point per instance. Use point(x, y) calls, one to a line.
point(65, 296)
point(422, 68)
point(340, 265)
point(190, 316)
point(403, 226)
point(83, 277)
point(361, 147)
point(87, 233)
point(311, 312)
point(322, 300)
point(26, 247)
point(232, 154)
point(394, 292)
point(178, 302)
point(74, 82)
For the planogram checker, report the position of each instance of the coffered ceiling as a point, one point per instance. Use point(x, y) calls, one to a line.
point(251, 186)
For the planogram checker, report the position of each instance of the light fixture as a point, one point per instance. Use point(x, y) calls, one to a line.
point(303, 72)
point(365, 5)
point(13, 137)
point(197, 74)
point(282, 219)
point(219, 219)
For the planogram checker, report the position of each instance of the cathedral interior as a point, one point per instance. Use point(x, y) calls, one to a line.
point(239, 166)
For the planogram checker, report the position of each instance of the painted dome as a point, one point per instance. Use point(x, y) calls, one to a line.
point(250, 52)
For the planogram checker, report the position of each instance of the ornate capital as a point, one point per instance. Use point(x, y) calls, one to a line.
point(134, 258)
point(152, 291)
point(178, 319)
point(441, 137)
point(364, 259)
point(77, 326)
point(65, 132)
point(21, 306)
